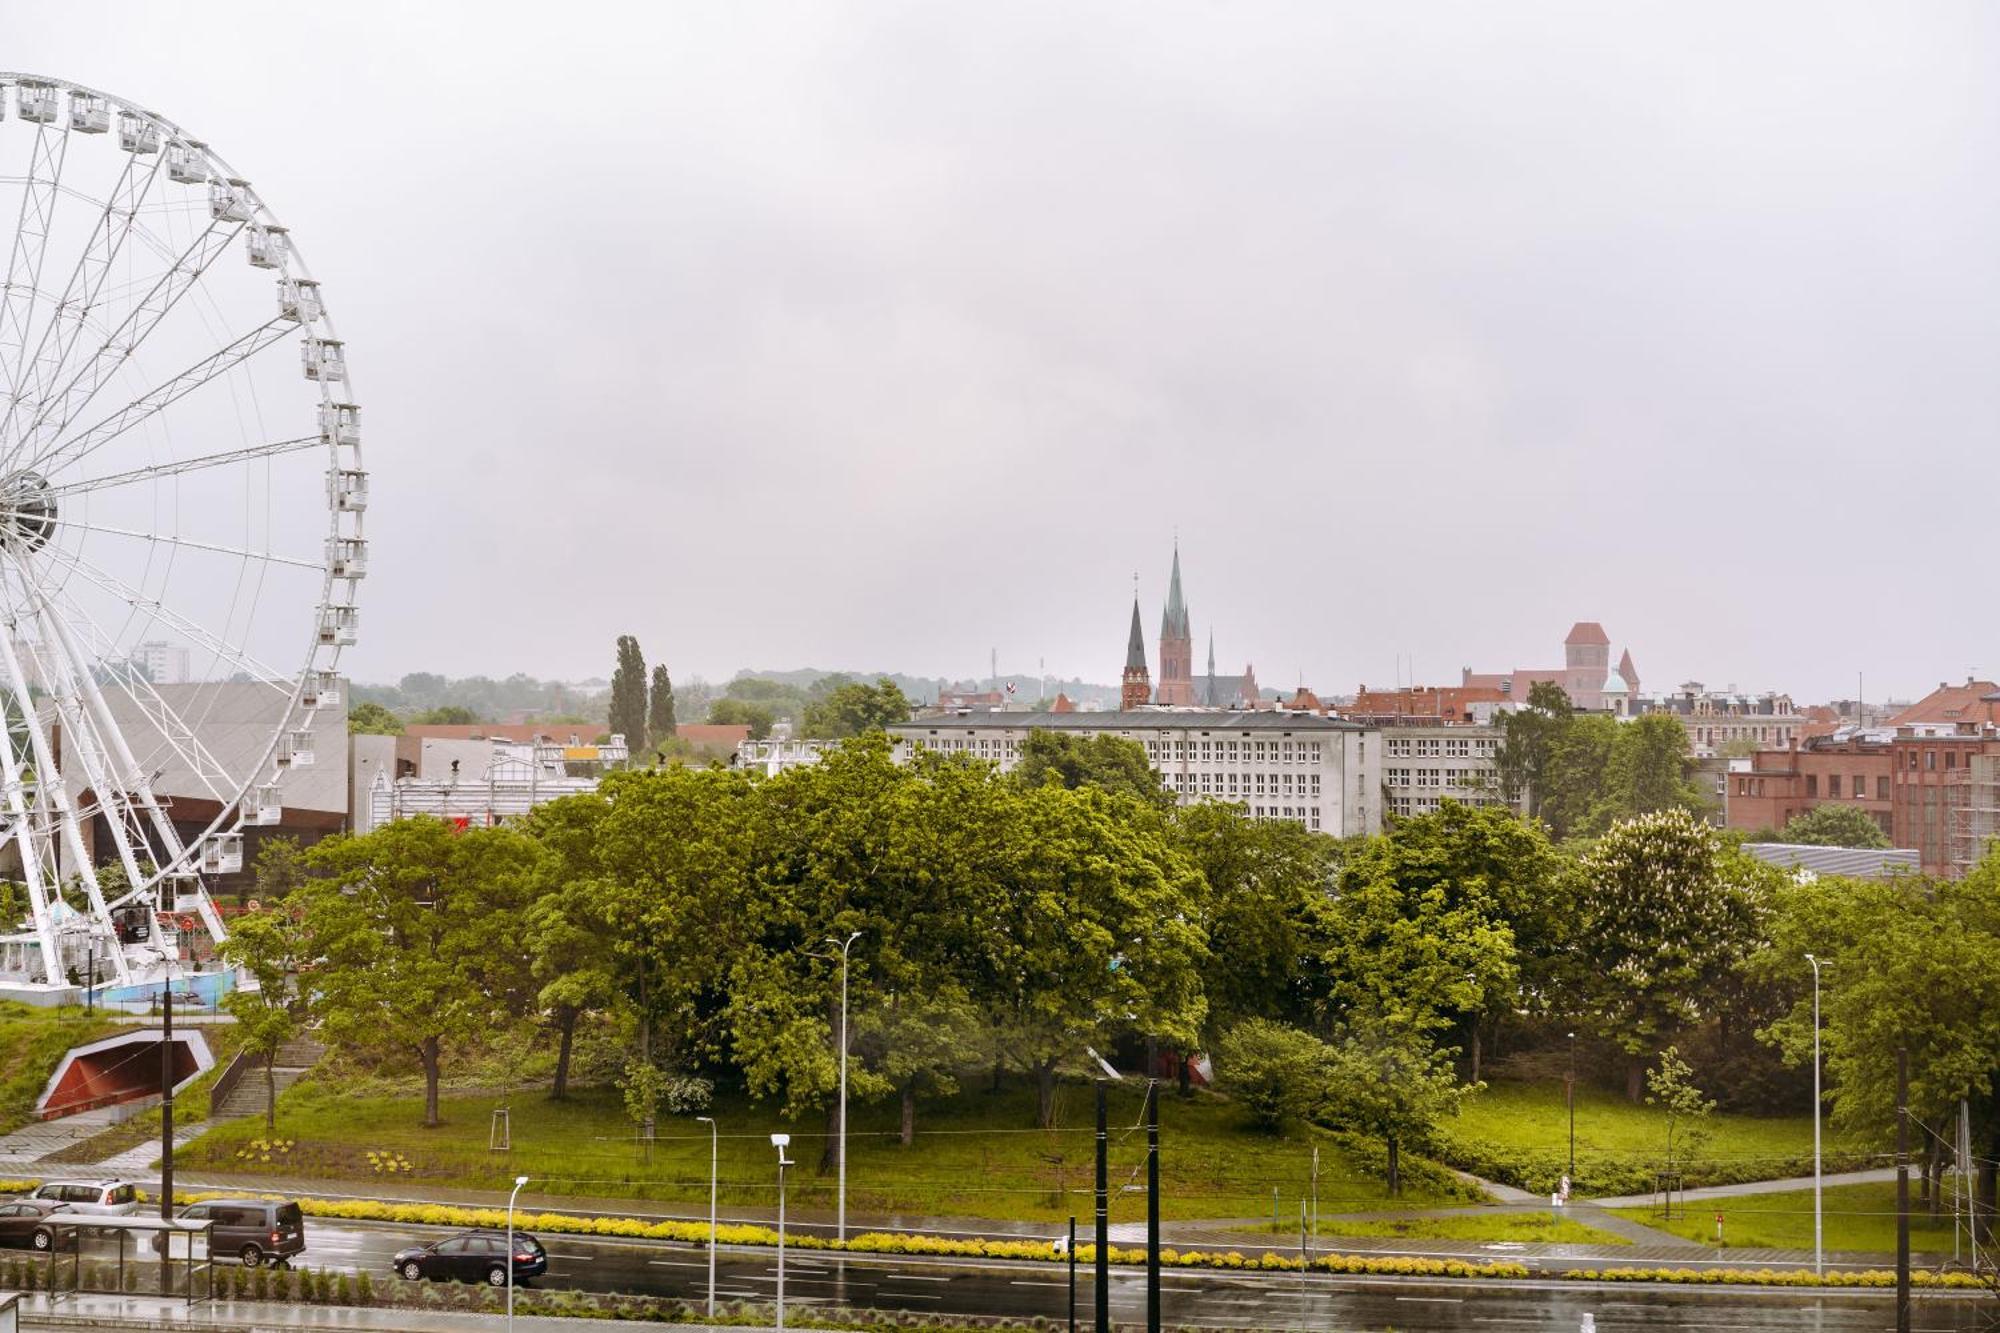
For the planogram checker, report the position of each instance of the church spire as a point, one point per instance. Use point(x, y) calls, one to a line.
point(1136, 689)
point(1174, 620)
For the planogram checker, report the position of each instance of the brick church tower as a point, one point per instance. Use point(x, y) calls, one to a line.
point(1176, 645)
point(1137, 691)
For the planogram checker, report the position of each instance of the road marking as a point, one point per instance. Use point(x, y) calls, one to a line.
point(574, 1258)
point(1031, 1282)
point(919, 1277)
point(907, 1296)
point(677, 1263)
point(1434, 1300)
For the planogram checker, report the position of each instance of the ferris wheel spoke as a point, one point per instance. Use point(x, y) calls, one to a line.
point(116, 222)
point(172, 539)
point(259, 672)
point(24, 262)
point(157, 399)
point(228, 458)
point(55, 415)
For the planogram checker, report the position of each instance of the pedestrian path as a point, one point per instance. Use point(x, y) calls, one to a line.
point(37, 1139)
point(144, 1156)
point(1785, 1186)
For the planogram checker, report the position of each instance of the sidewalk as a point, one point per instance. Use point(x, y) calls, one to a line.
point(1876, 1176)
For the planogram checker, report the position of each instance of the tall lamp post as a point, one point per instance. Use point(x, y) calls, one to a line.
point(781, 1142)
point(840, 1149)
point(1819, 1253)
point(1572, 1105)
point(709, 1120)
point(518, 1182)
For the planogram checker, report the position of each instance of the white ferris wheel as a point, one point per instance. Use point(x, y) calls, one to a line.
point(181, 505)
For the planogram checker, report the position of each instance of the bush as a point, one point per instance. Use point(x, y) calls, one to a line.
point(1275, 1073)
point(364, 1289)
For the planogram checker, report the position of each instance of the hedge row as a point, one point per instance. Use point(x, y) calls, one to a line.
point(1766, 1277)
point(1608, 1177)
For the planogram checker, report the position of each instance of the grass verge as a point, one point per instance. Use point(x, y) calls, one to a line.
point(1856, 1217)
point(1503, 1226)
point(32, 1042)
point(975, 1154)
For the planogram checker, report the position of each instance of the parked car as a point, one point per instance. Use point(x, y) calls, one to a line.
point(473, 1256)
point(112, 1198)
point(255, 1231)
point(23, 1223)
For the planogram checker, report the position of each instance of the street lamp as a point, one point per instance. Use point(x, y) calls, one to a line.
point(1572, 1106)
point(1819, 1253)
point(840, 1149)
point(518, 1182)
point(710, 1122)
point(781, 1142)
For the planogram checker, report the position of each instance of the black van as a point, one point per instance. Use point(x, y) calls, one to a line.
point(256, 1231)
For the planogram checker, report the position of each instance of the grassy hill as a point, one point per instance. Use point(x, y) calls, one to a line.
point(32, 1042)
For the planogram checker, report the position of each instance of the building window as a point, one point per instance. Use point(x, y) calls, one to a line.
point(1833, 786)
point(1951, 759)
point(1930, 760)
point(1812, 786)
point(1860, 788)
point(1882, 787)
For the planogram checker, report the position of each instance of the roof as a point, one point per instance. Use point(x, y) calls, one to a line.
point(1974, 701)
point(1136, 719)
point(1588, 631)
point(563, 733)
point(1135, 642)
point(713, 735)
point(1854, 862)
point(1174, 620)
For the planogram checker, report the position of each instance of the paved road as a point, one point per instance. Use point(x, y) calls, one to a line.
point(1190, 1298)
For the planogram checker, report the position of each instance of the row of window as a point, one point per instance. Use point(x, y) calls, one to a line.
point(1242, 784)
point(1463, 779)
point(1406, 805)
point(1859, 786)
point(1235, 752)
point(1435, 747)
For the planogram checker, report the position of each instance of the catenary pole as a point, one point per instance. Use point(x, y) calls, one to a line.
point(1152, 1205)
point(1101, 1276)
point(1902, 1191)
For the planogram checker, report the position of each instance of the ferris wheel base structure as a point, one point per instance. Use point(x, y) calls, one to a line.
point(204, 989)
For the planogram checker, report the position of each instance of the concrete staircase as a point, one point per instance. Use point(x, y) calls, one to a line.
point(243, 1094)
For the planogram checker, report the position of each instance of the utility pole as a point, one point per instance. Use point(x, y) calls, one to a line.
point(1152, 1205)
point(167, 1130)
point(1071, 1252)
point(1902, 1191)
point(1571, 1090)
point(1101, 1280)
point(1819, 1250)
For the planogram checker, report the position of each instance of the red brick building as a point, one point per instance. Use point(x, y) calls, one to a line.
point(1854, 768)
point(1944, 773)
point(1429, 703)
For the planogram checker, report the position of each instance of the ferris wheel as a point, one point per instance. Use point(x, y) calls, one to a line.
point(181, 538)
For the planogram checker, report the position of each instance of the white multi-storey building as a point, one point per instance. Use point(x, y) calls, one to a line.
point(1423, 766)
point(1317, 771)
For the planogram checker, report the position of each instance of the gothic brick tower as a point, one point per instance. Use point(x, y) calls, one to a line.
point(1176, 645)
point(1137, 690)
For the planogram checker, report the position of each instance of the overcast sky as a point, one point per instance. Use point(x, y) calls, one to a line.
point(881, 335)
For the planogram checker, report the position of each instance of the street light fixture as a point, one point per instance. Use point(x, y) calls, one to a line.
point(518, 1182)
point(709, 1120)
point(781, 1142)
point(1819, 1253)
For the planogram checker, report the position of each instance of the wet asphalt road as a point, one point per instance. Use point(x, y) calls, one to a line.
point(1189, 1299)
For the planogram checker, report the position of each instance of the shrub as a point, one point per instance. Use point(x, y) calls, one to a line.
point(363, 1293)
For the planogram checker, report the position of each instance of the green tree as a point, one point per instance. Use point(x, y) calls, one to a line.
point(1528, 742)
point(372, 719)
point(852, 708)
point(661, 725)
point(1482, 865)
point(571, 949)
point(1834, 826)
point(1649, 770)
point(416, 932)
point(447, 715)
point(737, 712)
point(280, 868)
point(1391, 1081)
point(1278, 1074)
point(1578, 776)
point(1109, 763)
point(1670, 1086)
point(627, 716)
point(1265, 881)
point(270, 948)
point(1664, 914)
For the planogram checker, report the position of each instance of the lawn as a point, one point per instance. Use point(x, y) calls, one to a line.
point(1856, 1217)
point(33, 1042)
point(1497, 1224)
point(975, 1155)
point(1519, 1133)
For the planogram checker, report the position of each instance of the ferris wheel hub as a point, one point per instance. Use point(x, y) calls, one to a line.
point(27, 512)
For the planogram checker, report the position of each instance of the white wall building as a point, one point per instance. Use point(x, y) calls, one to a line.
point(1314, 770)
point(164, 663)
point(1423, 766)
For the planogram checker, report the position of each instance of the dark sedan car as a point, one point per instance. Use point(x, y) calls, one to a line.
point(22, 1224)
point(473, 1256)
